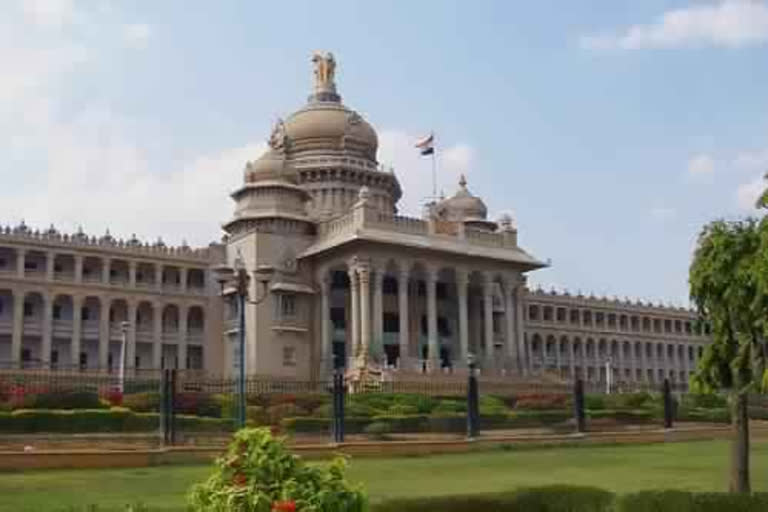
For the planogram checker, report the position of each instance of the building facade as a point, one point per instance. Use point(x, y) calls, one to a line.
point(354, 283)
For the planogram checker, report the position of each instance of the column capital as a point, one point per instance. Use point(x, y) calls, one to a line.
point(431, 272)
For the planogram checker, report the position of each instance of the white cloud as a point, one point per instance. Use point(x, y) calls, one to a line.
point(729, 23)
point(747, 193)
point(663, 213)
point(414, 172)
point(701, 166)
point(49, 13)
point(752, 160)
point(137, 35)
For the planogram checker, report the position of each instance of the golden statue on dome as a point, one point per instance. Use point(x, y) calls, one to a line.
point(325, 70)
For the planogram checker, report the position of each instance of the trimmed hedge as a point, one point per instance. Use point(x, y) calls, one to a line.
point(556, 498)
point(681, 501)
point(116, 419)
point(564, 498)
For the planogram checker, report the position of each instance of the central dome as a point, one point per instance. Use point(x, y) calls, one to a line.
point(323, 122)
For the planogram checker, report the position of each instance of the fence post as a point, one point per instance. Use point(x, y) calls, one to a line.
point(668, 405)
point(338, 407)
point(473, 412)
point(578, 406)
point(163, 406)
point(172, 407)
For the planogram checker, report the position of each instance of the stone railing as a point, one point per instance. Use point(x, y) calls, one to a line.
point(22, 233)
point(362, 217)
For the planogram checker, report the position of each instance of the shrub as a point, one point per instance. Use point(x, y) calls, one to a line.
point(276, 413)
point(258, 471)
point(197, 404)
point(625, 416)
point(402, 410)
point(449, 407)
point(310, 402)
point(705, 401)
point(65, 400)
point(594, 402)
point(117, 419)
point(541, 401)
point(142, 402)
point(411, 423)
point(638, 400)
point(705, 415)
point(557, 498)
point(378, 430)
point(681, 501)
point(256, 415)
point(359, 409)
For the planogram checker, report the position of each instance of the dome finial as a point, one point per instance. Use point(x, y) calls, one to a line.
point(325, 74)
point(463, 181)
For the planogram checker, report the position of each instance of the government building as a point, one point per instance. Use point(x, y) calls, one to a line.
point(351, 284)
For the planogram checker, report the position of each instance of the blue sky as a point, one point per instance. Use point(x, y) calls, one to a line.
point(611, 130)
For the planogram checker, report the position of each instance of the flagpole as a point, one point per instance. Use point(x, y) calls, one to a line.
point(434, 177)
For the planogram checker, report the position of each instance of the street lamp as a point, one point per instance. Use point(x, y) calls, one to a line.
point(237, 280)
point(123, 343)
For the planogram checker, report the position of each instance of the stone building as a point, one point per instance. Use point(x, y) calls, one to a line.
point(354, 283)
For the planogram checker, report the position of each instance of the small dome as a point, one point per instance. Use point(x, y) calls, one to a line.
point(270, 166)
point(462, 206)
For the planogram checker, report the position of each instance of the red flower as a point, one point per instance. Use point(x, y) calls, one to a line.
point(240, 480)
point(284, 506)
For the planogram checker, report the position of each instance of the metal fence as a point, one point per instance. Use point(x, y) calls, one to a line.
point(189, 407)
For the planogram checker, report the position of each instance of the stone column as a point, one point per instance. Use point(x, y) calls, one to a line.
point(18, 327)
point(488, 320)
point(509, 315)
point(571, 359)
point(402, 311)
point(104, 333)
point(433, 344)
point(378, 308)
point(183, 279)
point(21, 256)
point(45, 347)
point(621, 368)
point(157, 338)
point(132, 274)
point(130, 349)
point(77, 327)
point(78, 269)
point(105, 270)
point(158, 276)
point(520, 327)
point(181, 352)
point(354, 322)
point(326, 341)
point(365, 310)
point(462, 285)
point(50, 267)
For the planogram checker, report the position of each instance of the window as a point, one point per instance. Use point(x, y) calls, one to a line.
point(57, 268)
point(26, 355)
point(137, 362)
point(289, 356)
point(54, 357)
point(83, 360)
point(443, 329)
point(56, 312)
point(29, 309)
point(389, 286)
point(30, 265)
point(85, 313)
point(391, 322)
point(338, 319)
point(1, 307)
point(287, 305)
point(3, 262)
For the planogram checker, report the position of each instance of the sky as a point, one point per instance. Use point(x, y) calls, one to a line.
point(610, 130)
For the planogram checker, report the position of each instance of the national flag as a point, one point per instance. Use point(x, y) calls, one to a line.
point(427, 145)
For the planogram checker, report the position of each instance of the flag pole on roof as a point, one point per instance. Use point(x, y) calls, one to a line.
point(426, 146)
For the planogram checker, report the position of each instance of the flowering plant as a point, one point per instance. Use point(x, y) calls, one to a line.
point(258, 474)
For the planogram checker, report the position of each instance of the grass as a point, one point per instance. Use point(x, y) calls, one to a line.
point(696, 466)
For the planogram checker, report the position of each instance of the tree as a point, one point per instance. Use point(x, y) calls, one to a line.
point(729, 287)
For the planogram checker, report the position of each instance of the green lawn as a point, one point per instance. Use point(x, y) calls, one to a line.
point(694, 466)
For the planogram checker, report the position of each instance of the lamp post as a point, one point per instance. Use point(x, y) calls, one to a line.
point(123, 343)
point(237, 280)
